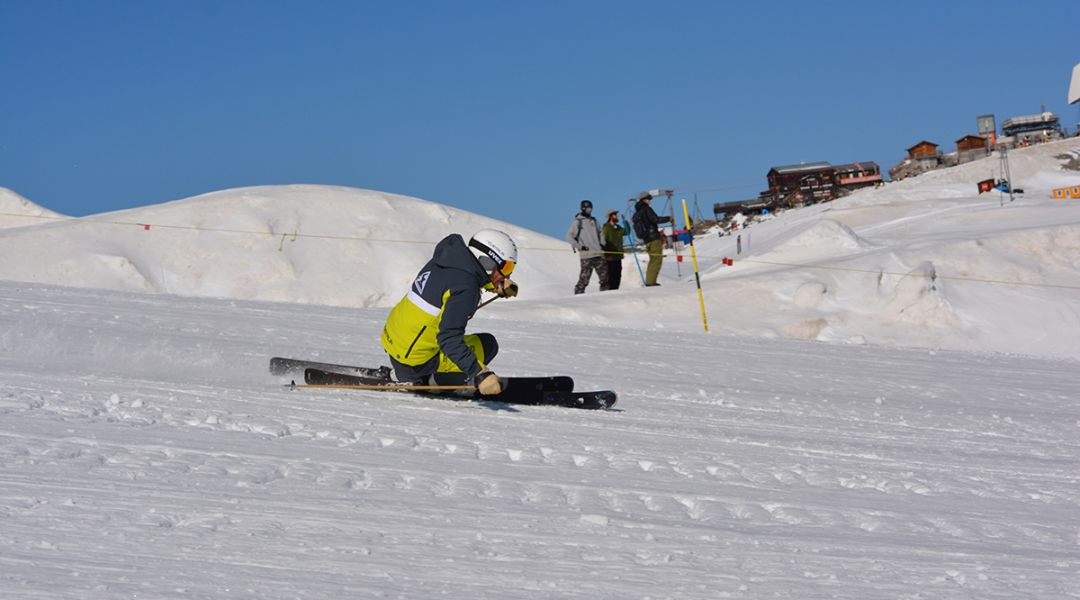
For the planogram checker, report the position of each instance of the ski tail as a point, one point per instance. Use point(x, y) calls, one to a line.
point(314, 376)
point(284, 366)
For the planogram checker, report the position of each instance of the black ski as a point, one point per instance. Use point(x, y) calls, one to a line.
point(284, 366)
point(595, 400)
point(537, 391)
point(521, 385)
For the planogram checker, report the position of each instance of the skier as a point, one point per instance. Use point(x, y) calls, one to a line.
point(586, 237)
point(425, 335)
point(646, 226)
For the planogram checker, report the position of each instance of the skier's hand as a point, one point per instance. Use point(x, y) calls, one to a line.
point(488, 383)
point(584, 248)
point(506, 288)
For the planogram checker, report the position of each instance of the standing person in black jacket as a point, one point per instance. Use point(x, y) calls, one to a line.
point(647, 227)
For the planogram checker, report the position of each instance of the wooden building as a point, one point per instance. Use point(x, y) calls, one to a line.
point(971, 147)
point(971, 142)
point(799, 184)
point(923, 150)
point(921, 157)
point(858, 175)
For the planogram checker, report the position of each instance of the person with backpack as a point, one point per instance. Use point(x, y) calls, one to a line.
point(586, 238)
point(613, 248)
point(647, 227)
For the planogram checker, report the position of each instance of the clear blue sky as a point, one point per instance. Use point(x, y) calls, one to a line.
point(516, 110)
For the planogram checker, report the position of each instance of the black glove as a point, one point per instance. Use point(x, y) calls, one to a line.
point(583, 248)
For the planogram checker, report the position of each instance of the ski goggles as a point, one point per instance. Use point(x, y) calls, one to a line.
point(489, 265)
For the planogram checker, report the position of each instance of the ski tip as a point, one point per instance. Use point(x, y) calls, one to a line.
point(609, 400)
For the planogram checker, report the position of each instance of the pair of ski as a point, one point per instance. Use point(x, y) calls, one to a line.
point(536, 391)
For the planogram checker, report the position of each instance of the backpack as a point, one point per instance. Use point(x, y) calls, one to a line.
point(640, 228)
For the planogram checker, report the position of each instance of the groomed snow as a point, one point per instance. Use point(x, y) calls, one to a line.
point(147, 454)
point(880, 411)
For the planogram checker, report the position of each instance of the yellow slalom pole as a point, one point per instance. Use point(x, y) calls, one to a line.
point(697, 276)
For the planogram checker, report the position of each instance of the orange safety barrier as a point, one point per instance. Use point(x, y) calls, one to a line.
point(1067, 192)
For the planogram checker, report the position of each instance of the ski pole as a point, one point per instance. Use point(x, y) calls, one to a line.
point(675, 237)
point(489, 301)
point(630, 234)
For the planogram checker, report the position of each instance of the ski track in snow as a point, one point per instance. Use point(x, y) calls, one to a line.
point(147, 453)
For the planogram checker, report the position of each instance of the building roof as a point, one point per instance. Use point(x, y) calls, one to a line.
point(971, 136)
point(920, 144)
point(859, 166)
point(732, 203)
point(801, 168)
point(1048, 118)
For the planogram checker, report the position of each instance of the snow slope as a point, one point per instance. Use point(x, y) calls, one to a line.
point(923, 262)
point(358, 248)
point(16, 211)
point(147, 454)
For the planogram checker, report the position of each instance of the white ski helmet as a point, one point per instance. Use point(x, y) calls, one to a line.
point(494, 250)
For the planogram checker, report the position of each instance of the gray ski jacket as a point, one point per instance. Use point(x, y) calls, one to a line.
point(585, 236)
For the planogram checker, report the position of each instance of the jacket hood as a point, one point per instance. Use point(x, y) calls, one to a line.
point(452, 253)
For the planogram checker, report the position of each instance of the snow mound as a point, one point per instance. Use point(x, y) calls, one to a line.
point(299, 243)
point(810, 295)
point(826, 237)
point(924, 262)
point(916, 299)
point(16, 211)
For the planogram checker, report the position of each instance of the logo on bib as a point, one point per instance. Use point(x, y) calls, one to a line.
point(421, 281)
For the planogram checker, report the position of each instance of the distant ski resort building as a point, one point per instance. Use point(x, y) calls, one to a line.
point(925, 152)
point(803, 184)
point(1031, 129)
point(1016, 131)
point(923, 156)
point(971, 147)
point(858, 175)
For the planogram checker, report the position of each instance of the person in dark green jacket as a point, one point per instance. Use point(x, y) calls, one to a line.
point(613, 248)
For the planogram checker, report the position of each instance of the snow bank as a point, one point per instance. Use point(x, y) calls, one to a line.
point(16, 211)
point(303, 243)
point(922, 262)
